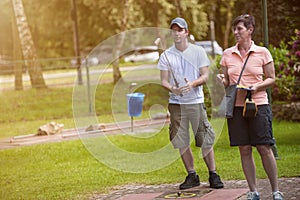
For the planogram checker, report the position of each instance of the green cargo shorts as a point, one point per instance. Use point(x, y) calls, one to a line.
point(184, 115)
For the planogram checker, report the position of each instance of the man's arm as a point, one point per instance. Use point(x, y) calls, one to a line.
point(204, 71)
point(204, 74)
point(164, 78)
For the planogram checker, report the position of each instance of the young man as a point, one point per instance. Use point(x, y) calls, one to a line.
point(183, 70)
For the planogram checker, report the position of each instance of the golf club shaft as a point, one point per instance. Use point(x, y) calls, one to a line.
point(158, 40)
point(172, 73)
point(170, 68)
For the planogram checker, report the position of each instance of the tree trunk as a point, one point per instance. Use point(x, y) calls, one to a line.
point(117, 76)
point(16, 57)
point(178, 8)
point(229, 5)
point(28, 48)
point(120, 41)
point(76, 41)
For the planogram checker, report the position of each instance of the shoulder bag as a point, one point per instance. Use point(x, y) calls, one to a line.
point(230, 94)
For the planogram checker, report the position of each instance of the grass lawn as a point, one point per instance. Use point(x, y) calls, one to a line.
point(67, 170)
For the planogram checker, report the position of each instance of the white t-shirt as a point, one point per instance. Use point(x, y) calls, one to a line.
point(184, 64)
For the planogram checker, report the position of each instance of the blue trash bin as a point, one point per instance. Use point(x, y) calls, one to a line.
point(135, 104)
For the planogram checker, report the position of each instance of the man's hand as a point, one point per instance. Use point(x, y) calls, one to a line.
point(176, 90)
point(187, 87)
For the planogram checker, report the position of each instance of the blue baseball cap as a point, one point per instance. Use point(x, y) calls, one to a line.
point(179, 22)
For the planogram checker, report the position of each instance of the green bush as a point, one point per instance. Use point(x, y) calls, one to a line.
point(287, 69)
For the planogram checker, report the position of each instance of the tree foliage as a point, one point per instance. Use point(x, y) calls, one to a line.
point(287, 67)
point(5, 27)
point(283, 18)
point(51, 24)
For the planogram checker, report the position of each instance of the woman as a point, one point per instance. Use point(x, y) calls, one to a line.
point(258, 75)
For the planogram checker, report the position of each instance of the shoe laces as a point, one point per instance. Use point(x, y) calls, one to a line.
point(253, 196)
point(277, 195)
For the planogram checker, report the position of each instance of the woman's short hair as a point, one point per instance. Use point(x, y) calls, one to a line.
point(248, 21)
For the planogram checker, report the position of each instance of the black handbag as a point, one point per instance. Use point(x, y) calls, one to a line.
point(250, 108)
point(230, 94)
point(229, 98)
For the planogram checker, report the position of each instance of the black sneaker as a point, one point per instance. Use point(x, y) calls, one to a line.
point(215, 181)
point(192, 180)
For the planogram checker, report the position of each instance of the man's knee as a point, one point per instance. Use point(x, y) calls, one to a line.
point(206, 151)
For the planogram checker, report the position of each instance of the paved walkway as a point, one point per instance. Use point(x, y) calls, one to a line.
point(234, 190)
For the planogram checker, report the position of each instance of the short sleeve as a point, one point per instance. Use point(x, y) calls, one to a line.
point(223, 59)
point(162, 63)
point(267, 56)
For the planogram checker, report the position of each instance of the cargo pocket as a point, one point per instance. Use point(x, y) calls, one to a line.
point(209, 136)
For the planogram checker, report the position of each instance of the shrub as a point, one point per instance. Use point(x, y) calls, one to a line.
point(287, 68)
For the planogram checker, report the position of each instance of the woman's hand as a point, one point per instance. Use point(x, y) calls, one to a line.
point(253, 88)
point(221, 78)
